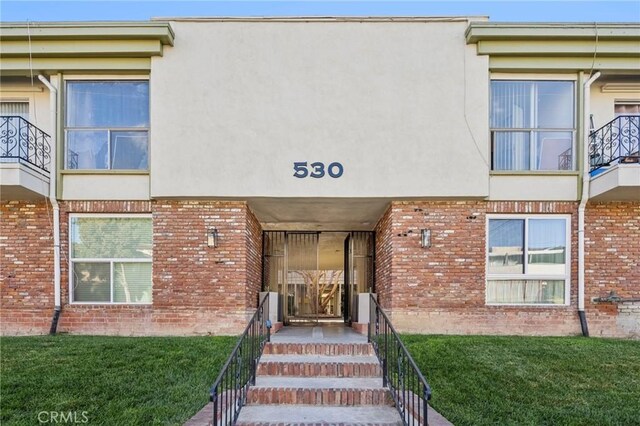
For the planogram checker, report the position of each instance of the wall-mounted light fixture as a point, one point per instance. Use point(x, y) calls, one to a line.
point(212, 237)
point(425, 238)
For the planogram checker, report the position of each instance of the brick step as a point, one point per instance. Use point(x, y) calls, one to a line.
point(319, 366)
point(318, 348)
point(318, 396)
point(303, 415)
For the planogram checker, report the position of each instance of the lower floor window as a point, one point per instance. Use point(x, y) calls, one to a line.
point(110, 259)
point(528, 259)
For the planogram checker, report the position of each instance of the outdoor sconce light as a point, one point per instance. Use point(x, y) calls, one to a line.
point(212, 237)
point(425, 238)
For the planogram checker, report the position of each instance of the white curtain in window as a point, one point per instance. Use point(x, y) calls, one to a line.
point(107, 104)
point(525, 291)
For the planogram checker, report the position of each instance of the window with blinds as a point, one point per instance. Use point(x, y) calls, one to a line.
point(532, 125)
point(14, 109)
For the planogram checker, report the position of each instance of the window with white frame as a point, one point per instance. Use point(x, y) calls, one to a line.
point(532, 125)
point(107, 125)
point(528, 260)
point(110, 259)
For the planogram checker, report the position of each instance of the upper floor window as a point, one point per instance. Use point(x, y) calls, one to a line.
point(627, 108)
point(14, 109)
point(532, 125)
point(107, 125)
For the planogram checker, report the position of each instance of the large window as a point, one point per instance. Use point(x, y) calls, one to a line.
point(528, 260)
point(107, 125)
point(110, 259)
point(532, 125)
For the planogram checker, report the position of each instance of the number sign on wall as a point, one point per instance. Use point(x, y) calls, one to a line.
point(317, 170)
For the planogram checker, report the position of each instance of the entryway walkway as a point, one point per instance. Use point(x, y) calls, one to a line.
point(324, 374)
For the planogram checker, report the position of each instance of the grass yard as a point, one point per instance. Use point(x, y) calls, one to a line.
point(480, 380)
point(476, 380)
point(115, 380)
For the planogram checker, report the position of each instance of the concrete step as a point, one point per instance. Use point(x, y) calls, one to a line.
point(272, 415)
point(319, 365)
point(318, 348)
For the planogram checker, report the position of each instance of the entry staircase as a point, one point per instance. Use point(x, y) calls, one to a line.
point(319, 383)
point(320, 375)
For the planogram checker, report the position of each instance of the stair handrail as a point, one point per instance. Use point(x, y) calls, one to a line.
point(408, 387)
point(229, 392)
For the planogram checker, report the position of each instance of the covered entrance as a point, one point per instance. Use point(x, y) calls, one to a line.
point(318, 275)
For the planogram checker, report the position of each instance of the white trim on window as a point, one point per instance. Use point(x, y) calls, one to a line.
point(534, 76)
point(105, 77)
point(110, 261)
point(525, 276)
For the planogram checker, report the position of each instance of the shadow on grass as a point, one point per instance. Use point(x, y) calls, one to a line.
point(113, 380)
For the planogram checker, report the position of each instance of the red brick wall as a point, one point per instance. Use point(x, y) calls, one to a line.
point(441, 289)
point(26, 267)
point(253, 243)
point(384, 256)
point(200, 290)
point(196, 289)
point(612, 251)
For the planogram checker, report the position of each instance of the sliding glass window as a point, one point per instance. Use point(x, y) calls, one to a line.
point(107, 125)
point(528, 260)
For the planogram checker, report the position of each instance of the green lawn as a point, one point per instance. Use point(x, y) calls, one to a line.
point(115, 380)
point(480, 380)
point(476, 380)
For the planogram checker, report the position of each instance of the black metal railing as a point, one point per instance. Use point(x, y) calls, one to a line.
point(24, 142)
point(229, 392)
point(618, 140)
point(408, 387)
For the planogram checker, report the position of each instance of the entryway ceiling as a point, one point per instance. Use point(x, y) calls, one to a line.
point(318, 214)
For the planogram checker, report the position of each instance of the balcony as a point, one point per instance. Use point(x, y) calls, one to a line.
point(24, 160)
point(614, 150)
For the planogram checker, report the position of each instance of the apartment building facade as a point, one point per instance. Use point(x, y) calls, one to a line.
point(478, 177)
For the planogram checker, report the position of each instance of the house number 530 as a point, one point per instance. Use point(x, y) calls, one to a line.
point(317, 170)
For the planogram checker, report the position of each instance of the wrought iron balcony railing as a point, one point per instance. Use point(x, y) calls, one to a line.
point(618, 140)
point(23, 142)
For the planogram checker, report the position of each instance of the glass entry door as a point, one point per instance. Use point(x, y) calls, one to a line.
point(318, 275)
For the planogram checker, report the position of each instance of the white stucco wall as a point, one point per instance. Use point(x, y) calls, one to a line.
point(105, 187)
point(534, 187)
point(403, 106)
